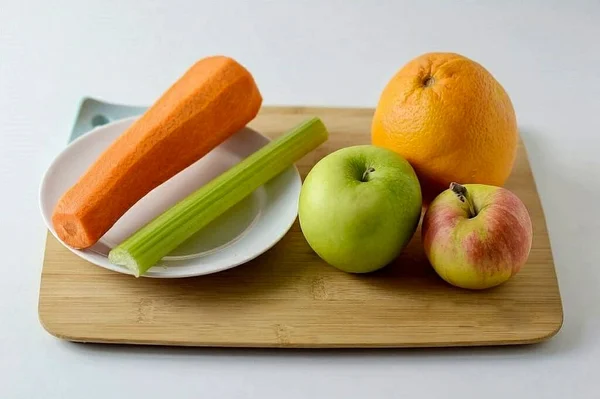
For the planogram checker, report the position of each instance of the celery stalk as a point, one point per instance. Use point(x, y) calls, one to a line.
point(151, 243)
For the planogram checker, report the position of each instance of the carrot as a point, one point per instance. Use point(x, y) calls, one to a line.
point(215, 98)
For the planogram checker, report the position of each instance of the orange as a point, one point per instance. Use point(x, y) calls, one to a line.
point(450, 118)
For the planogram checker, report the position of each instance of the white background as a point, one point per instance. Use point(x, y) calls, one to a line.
point(546, 54)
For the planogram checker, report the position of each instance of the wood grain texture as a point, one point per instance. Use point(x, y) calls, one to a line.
point(288, 297)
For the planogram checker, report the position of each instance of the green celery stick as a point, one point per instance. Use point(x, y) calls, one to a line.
point(151, 243)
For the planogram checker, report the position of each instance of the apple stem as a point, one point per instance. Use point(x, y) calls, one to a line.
point(365, 176)
point(463, 195)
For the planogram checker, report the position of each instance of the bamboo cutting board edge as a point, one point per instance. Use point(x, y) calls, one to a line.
point(336, 119)
point(99, 339)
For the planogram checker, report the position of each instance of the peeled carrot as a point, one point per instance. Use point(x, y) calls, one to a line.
point(215, 98)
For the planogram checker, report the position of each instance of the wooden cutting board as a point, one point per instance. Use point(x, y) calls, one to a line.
point(288, 297)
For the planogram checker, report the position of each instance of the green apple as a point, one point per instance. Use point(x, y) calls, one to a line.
point(359, 207)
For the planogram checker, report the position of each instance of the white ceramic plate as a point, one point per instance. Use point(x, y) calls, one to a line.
point(241, 234)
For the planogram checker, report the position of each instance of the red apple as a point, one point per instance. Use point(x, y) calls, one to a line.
point(477, 236)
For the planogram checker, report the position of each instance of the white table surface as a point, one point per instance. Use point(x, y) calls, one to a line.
point(545, 53)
